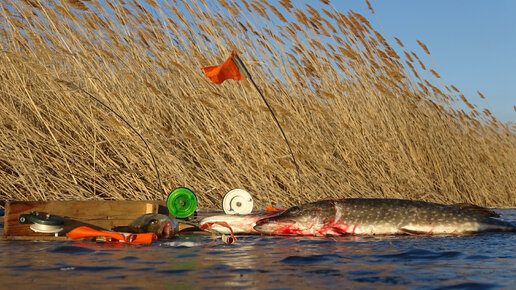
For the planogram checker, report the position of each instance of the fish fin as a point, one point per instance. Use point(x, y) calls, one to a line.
point(190, 223)
point(412, 232)
point(124, 229)
point(187, 226)
point(476, 209)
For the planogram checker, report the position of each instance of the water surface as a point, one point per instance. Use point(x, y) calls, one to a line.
point(193, 261)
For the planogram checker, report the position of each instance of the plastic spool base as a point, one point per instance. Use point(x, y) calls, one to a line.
point(182, 202)
point(46, 229)
point(237, 201)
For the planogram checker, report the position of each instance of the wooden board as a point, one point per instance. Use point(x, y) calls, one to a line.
point(34, 238)
point(97, 214)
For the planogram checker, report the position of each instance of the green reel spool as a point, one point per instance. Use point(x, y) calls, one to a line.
point(182, 202)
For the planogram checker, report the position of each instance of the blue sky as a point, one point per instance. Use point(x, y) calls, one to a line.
point(472, 42)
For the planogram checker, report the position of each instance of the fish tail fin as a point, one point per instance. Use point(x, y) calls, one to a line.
point(509, 227)
point(497, 225)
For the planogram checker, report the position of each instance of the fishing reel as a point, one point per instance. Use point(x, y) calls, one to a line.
point(42, 222)
point(182, 202)
point(237, 201)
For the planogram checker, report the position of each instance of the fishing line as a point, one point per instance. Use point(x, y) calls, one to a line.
point(73, 86)
point(241, 67)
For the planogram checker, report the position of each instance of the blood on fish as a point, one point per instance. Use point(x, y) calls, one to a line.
point(379, 216)
point(289, 230)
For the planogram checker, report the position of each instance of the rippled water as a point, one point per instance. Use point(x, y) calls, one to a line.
point(190, 262)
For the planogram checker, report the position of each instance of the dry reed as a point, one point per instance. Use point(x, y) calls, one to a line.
point(362, 121)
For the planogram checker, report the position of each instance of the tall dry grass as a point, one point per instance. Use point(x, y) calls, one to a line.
point(365, 117)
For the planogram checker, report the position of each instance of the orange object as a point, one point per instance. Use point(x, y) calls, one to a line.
point(227, 70)
point(224, 224)
point(133, 239)
point(270, 209)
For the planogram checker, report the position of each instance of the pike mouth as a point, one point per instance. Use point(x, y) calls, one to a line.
point(260, 225)
point(167, 231)
point(269, 225)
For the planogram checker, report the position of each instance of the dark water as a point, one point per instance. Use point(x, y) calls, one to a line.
point(480, 261)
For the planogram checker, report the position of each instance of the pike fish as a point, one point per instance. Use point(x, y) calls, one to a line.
point(359, 216)
point(163, 226)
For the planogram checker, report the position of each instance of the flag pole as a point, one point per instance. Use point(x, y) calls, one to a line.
point(242, 68)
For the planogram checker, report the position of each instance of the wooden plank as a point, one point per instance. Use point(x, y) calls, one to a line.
point(34, 238)
point(97, 214)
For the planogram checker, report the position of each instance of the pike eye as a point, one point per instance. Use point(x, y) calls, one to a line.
point(153, 221)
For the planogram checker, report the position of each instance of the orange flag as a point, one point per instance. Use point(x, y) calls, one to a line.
point(227, 70)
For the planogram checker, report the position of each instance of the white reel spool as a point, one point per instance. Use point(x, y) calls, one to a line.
point(47, 229)
point(237, 201)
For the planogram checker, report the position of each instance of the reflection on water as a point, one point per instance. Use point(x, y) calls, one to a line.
point(189, 262)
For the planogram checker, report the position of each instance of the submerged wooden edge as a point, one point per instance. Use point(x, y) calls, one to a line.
point(183, 228)
point(156, 206)
point(34, 238)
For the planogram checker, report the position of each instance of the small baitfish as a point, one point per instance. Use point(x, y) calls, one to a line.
point(360, 216)
point(239, 224)
point(163, 226)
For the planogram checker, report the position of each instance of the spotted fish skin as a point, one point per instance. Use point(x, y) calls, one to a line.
point(360, 216)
